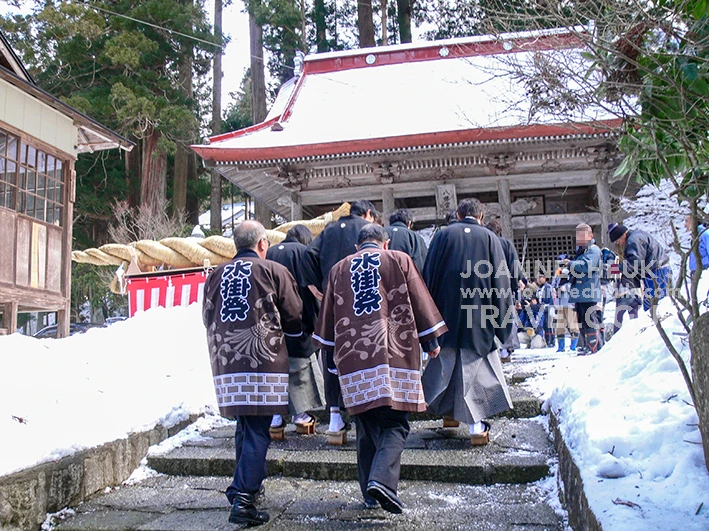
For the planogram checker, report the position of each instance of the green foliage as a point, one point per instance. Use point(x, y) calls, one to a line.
point(238, 113)
point(92, 283)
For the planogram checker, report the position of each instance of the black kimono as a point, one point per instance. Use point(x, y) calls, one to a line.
point(337, 241)
point(515, 269)
point(467, 276)
point(306, 390)
point(401, 238)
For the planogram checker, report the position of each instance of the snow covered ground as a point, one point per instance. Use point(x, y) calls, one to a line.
point(626, 415)
point(58, 396)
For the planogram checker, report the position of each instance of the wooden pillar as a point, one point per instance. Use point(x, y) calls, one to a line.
point(296, 207)
point(9, 317)
point(263, 214)
point(63, 316)
point(388, 205)
point(604, 205)
point(505, 200)
point(63, 320)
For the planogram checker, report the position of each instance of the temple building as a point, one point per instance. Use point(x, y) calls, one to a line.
point(424, 125)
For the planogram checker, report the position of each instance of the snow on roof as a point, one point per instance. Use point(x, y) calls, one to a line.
point(455, 89)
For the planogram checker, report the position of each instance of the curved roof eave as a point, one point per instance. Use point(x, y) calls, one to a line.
point(408, 143)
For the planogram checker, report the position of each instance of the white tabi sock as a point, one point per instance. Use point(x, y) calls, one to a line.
point(504, 353)
point(336, 422)
point(477, 428)
point(301, 418)
point(276, 421)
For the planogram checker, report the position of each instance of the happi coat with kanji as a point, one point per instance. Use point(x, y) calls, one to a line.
point(250, 305)
point(375, 312)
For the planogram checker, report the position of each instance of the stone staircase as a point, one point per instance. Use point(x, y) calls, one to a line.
point(446, 483)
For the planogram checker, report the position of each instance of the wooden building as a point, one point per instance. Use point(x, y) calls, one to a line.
point(40, 138)
point(424, 125)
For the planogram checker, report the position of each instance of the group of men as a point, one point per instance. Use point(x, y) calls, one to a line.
point(574, 300)
point(385, 300)
point(373, 300)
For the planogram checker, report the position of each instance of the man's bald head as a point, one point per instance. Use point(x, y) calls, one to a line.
point(248, 234)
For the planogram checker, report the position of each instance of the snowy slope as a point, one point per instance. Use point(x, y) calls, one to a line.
point(58, 396)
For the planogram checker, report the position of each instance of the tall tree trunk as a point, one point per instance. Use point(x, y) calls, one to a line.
point(319, 15)
point(258, 76)
point(258, 96)
point(403, 15)
point(133, 172)
point(179, 185)
point(365, 23)
point(215, 197)
point(192, 198)
point(385, 30)
point(153, 181)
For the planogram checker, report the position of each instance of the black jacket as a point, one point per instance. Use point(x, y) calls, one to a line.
point(642, 251)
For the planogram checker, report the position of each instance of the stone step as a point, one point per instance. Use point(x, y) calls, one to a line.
point(518, 452)
point(525, 406)
point(198, 504)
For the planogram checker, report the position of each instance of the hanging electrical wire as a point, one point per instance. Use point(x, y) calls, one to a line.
point(168, 30)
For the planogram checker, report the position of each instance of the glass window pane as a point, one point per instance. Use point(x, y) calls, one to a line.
point(39, 210)
point(59, 196)
point(10, 197)
point(41, 161)
point(12, 148)
point(11, 172)
point(21, 202)
point(50, 166)
point(58, 175)
point(2, 193)
point(50, 213)
point(57, 215)
point(2, 168)
point(31, 185)
point(40, 185)
point(29, 205)
point(23, 153)
point(22, 181)
point(31, 157)
point(50, 189)
point(3, 143)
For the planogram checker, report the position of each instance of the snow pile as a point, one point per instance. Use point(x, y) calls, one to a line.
point(625, 414)
point(58, 396)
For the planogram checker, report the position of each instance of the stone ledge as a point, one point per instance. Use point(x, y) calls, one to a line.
point(27, 496)
point(571, 490)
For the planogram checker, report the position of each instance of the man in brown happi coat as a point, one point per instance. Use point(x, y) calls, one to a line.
point(375, 312)
point(250, 304)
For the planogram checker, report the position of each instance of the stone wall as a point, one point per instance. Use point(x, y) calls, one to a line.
point(27, 496)
point(571, 492)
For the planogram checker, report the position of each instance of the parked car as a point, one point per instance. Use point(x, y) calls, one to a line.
point(74, 328)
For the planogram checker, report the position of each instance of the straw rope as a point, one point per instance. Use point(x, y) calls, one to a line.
point(190, 252)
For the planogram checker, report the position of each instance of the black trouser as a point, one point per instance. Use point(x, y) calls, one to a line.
point(333, 393)
point(381, 435)
point(589, 322)
point(251, 441)
point(632, 306)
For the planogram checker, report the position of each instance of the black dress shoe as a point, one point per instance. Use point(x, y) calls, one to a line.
point(244, 511)
point(386, 497)
point(370, 503)
point(260, 495)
